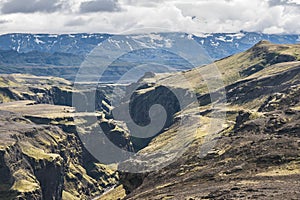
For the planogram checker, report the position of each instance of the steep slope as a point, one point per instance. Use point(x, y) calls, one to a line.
point(44, 162)
point(41, 154)
point(257, 156)
point(49, 90)
point(263, 55)
point(257, 150)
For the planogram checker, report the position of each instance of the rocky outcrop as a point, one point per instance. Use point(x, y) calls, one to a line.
point(43, 162)
point(140, 99)
point(255, 157)
point(50, 90)
point(257, 151)
point(41, 154)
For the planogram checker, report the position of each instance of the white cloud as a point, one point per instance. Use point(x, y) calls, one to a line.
point(78, 21)
point(194, 16)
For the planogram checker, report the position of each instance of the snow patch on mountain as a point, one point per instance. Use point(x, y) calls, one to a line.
point(217, 45)
point(38, 41)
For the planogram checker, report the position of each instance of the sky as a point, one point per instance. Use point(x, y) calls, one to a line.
point(136, 16)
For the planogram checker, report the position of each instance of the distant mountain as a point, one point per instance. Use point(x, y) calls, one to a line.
point(11, 57)
point(79, 44)
point(218, 45)
point(43, 52)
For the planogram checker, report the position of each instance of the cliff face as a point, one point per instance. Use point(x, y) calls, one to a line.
point(256, 152)
point(41, 154)
point(41, 161)
point(44, 90)
point(256, 155)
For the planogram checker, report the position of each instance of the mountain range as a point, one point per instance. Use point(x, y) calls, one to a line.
point(62, 55)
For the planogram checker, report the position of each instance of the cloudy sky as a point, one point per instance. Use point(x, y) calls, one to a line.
point(129, 16)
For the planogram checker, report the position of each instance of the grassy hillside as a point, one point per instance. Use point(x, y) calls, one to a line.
point(234, 68)
point(257, 150)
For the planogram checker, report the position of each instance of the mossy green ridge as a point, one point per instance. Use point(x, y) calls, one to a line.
point(257, 150)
